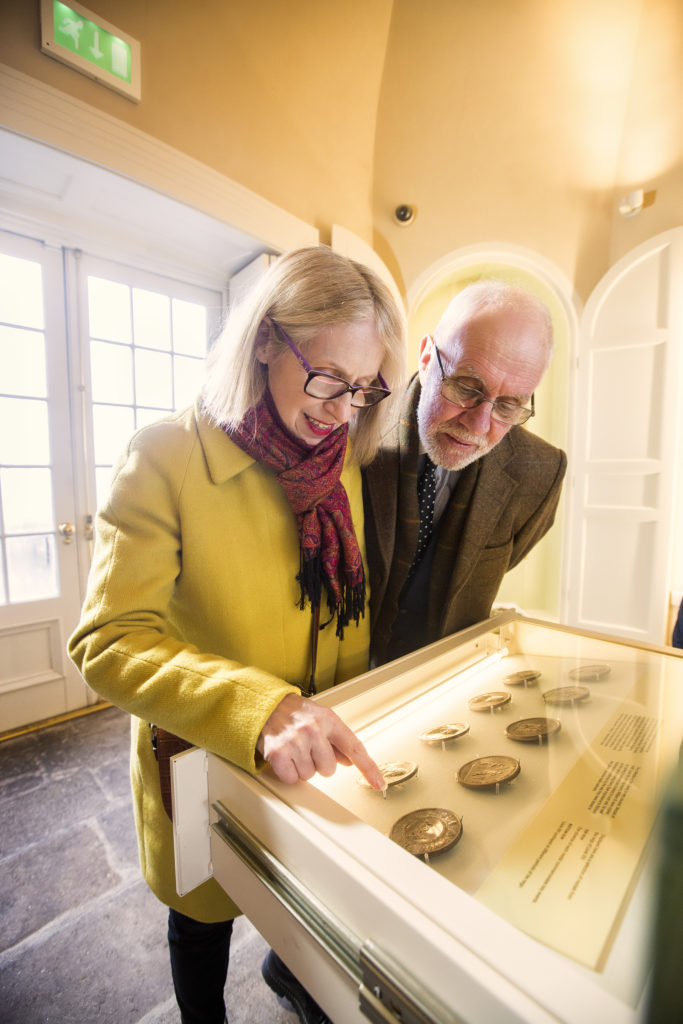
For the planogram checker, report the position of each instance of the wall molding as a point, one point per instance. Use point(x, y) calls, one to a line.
point(36, 110)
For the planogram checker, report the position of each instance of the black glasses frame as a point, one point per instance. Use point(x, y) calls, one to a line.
point(522, 414)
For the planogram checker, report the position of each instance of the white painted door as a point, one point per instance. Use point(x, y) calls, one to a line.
point(39, 578)
point(89, 351)
point(624, 463)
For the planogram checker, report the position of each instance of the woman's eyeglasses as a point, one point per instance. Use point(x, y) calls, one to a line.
point(326, 386)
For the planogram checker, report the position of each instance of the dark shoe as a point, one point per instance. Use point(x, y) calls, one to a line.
point(278, 977)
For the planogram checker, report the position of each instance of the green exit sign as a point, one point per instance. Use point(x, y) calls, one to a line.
point(78, 37)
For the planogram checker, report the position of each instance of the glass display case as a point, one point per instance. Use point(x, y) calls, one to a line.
point(506, 874)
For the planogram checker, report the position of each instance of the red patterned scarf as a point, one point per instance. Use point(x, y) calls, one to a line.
point(310, 478)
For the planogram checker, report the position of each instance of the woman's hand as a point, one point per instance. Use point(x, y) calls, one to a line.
point(301, 738)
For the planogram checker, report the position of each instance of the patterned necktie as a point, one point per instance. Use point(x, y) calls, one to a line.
point(426, 493)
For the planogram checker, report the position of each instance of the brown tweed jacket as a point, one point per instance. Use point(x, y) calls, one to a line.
point(503, 504)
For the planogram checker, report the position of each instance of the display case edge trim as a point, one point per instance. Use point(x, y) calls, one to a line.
point(49, 45)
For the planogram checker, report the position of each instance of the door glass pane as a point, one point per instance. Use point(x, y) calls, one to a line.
point(153, 380)
point(189, 328)
point(24, 437)
point(188, 375)
point(22, 358)
point(109, 310)
point(152, 319)
point(147, 350)
point(113, 425)
point(32, 568)
point(21, 292)
point(144, 416)
point(27, 505)
point(28, 563)
point(103, 476)
point(111, 369)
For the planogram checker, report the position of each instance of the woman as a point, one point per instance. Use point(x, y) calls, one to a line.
point(227, 581)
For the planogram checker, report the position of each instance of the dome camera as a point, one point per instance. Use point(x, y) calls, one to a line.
point(404, 214)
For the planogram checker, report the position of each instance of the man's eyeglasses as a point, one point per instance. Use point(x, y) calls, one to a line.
point(503, 410)
point(326, 386)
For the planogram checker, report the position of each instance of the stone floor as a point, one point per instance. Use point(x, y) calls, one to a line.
point(82, 939)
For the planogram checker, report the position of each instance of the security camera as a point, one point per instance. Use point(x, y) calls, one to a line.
point(404, 214)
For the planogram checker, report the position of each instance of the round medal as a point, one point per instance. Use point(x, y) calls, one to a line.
point(567, 695)
point(487, 772)
point(533, 730)
point(429, 830)
point(444, 733)
point(525, 677)
point(590, 673)
point(489, 701)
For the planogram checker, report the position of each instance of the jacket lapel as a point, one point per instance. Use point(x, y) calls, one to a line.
point(381, 493)
point(392, 517)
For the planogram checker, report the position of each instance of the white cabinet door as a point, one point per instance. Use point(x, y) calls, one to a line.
point(627, 425)
point(39, 577)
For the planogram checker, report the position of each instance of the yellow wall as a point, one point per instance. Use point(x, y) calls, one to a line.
point(521, 121)
point(278, 95)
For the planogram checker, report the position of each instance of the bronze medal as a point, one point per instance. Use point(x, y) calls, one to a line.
point(590, 673)
point(429, 830)
point(394, 773)
point(533, 730)
point(489, 701)
point(567, 695)
point(525, 677)
point(487, 772)
point(444, 733)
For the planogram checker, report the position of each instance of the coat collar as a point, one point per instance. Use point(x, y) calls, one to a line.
point(224, 458)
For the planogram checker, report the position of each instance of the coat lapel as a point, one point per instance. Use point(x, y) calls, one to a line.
point(392, 516)
point(491, 487)
point(224, 458)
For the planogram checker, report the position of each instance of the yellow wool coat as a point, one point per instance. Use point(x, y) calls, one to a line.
point(191, 618)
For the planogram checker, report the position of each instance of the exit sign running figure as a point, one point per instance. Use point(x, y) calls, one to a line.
point(78, 37)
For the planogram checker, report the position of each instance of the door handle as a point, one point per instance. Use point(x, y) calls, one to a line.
point(66, 531)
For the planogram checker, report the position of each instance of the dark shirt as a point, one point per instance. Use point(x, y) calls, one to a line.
point(410, 627)
point(677, 640)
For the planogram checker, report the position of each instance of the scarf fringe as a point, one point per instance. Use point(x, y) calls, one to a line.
point(311, 579)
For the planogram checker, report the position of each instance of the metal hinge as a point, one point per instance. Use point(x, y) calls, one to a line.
point(388, 995)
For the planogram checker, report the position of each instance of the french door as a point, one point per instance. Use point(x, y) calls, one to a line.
point(89, 351)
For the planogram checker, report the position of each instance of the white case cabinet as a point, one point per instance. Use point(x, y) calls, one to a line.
point(542, 910)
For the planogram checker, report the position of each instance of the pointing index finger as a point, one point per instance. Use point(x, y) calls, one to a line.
point(352, 749)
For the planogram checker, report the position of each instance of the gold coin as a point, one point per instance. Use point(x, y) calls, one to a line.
point(590, 673)
point(532, 730)
point(429, 830)
point(486, 772)
point(443, 733)
point(489, 701)
point(394, 772)
point(567, 695)
point(525, 677)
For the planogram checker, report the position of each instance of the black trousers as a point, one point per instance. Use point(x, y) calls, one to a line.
point(199, 965)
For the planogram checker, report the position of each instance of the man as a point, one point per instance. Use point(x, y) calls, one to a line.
point(495, 488)
point(677, 638)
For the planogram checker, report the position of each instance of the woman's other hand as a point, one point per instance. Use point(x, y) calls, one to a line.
point(301, 738)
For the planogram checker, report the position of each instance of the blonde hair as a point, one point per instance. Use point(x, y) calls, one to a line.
point(304, 291)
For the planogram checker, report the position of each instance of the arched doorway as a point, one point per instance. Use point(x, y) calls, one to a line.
point(537, 584)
